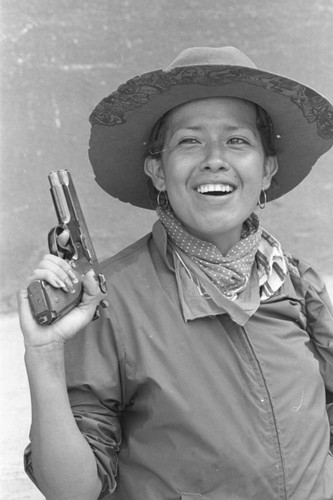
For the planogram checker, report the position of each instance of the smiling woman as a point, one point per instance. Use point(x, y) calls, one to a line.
point(207, 376)
point(213, 167)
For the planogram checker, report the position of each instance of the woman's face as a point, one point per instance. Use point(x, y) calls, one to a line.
point(213, 167)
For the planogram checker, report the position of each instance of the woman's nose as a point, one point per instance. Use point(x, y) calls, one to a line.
point(216, 157)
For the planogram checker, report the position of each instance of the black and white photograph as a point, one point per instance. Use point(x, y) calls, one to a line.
point(166, 258)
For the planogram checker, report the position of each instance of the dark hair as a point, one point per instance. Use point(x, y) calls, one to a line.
point(158, 133)
point(266, 131)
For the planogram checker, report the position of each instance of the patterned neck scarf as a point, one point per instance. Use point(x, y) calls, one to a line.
point(271, 265)
point(229, 273)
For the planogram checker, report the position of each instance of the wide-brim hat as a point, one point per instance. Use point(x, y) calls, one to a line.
point(122, 122)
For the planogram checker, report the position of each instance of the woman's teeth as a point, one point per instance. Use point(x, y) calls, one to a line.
point(215, 189)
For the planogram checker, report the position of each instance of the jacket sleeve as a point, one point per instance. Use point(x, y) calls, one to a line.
point(94, 373)
point(319, 315)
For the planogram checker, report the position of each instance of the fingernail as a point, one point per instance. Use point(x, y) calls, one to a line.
point(72, 276)
point(61, 284)
point(69, 285)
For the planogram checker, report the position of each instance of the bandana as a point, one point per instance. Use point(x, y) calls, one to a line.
point(229, 273)
point(216, 276)
point(271, 265)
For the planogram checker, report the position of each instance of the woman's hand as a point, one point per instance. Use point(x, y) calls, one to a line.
point(63, 462)
point(59, 274)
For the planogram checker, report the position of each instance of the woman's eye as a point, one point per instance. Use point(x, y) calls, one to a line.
point(238, 140)
point(189, 140)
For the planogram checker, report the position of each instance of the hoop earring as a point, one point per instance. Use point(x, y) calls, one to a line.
point(260, 203)
point(162, 199)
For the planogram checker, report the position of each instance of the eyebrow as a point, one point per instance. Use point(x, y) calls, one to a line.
point(231, 128)
point(228, 128)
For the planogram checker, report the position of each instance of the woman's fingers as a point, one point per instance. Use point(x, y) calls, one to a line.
point(55, 278)
point(81, 315)
point(66, 327)
point(53, 260)
point(55, 271)
point(58, 273)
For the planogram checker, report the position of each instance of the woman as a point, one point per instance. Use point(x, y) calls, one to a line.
point(206, 377)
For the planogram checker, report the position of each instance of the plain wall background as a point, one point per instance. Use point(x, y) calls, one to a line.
point(61, 57)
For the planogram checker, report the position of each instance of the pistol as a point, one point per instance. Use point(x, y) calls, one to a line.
point(48, 303)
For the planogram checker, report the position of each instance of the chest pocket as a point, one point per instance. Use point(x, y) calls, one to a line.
point(297, 308)
point(287, 308)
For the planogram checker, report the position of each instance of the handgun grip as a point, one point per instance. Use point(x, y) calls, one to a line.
point(48, 303)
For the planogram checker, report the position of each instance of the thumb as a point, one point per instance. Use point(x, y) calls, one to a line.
point(92, 294)
point(91, 284)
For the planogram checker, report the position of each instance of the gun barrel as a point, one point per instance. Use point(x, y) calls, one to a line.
point(59, 198)
point(64, 177)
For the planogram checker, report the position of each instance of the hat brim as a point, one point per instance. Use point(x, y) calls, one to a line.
point(122, 123)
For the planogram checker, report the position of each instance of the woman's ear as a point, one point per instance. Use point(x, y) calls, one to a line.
point(153, 168)
point(270, 169)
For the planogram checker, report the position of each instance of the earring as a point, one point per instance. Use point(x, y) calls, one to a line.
point(260, 203)
point(162, 199)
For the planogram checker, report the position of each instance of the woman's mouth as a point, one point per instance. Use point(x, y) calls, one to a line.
point(215, 189)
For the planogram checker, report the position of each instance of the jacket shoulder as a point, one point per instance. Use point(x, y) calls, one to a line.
point(300, 268)
point(311, 286)
point(126, 256)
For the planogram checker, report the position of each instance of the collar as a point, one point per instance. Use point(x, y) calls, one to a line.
point(214, 303)
point(207, 301)
point(161, 241)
